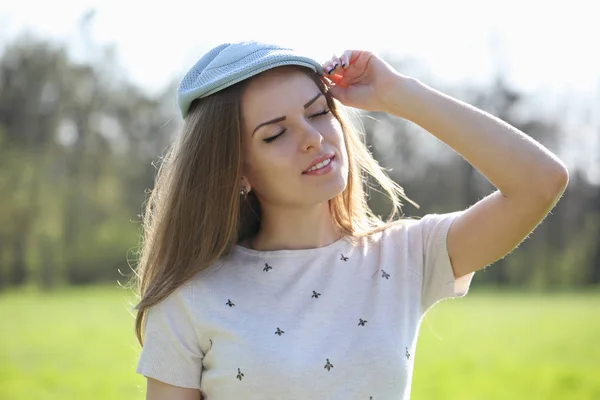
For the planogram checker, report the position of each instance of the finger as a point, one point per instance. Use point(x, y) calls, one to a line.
point(327, 67)
point(332, 65)
point(345, 59)
point(335, 78)
point(351, 56)
point(342, 62)
point(337, 63)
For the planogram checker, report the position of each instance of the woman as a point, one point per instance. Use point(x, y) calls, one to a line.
point(263, 273)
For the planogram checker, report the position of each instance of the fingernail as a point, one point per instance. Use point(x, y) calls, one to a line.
point(329, 71)
point(343, 64)
point(335, 65)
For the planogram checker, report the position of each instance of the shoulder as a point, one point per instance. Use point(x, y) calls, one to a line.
point(393, 237)
point(180, 298)
point(398, 229)
point(423, 225)
point(416, 232)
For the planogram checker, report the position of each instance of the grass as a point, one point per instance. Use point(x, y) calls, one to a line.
point(510, 346)
point(79, 343)
point(73, 344)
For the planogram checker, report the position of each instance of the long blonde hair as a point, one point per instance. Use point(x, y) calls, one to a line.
point(195, 214)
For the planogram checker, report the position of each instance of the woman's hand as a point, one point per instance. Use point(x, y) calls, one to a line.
point(360, 79)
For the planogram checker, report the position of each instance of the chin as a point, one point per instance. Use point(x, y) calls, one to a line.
point(333, 189)
point(324, 190)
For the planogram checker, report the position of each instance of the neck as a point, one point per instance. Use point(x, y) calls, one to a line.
point(295, 229)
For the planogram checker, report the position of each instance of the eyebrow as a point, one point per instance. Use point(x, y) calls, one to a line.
point(274, 121)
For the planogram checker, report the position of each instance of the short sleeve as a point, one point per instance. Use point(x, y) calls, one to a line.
point(171, 352)
point(438, 277)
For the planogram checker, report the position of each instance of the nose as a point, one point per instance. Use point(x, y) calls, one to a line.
point(311, 137)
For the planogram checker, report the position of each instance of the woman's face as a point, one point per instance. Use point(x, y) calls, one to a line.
point(287, 128)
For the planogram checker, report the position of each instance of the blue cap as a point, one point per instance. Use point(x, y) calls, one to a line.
point(230, 63)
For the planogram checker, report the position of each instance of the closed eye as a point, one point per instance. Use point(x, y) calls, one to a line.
point(321, 113)
point(272, 138)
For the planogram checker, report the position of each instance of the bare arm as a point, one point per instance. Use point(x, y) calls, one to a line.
point(529, 178)
point(157, 390)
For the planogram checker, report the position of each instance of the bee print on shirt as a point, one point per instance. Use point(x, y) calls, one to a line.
point(229, 303)
point(315, 295)
point(279, 332)
point(267, 267)
point(328, 365)
point(344, 258)
point(362, 322)
point(383, 274)
point(407, 354)
point(240, 375)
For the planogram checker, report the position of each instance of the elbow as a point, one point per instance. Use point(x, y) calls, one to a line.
point(557, 182)
point(545, 188)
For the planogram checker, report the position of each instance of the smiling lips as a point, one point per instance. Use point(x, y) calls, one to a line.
point(320, 165)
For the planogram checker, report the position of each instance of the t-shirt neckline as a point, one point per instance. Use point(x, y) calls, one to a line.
point(292, 252)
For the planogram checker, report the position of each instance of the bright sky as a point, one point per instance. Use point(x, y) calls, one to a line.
point(543, 46)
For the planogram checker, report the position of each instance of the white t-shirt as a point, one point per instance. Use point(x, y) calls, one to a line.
point(337, 322)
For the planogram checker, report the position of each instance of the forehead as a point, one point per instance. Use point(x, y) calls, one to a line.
point(277, 89)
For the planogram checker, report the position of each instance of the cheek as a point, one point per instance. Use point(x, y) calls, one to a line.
point(332, 129)
point(270, 169)
point(334, 135)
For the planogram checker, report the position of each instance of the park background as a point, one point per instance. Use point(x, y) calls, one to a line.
point(87, 108)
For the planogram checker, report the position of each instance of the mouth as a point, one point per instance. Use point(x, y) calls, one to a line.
point(320, 165)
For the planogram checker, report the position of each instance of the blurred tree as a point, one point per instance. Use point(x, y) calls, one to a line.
point(594, 270)
point(78, 144)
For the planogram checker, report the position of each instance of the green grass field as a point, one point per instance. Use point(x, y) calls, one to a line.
point(79, 344)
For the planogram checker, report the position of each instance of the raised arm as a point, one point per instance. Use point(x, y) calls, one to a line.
point(529, 178)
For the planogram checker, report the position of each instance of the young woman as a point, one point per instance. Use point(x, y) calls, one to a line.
point(263, 273)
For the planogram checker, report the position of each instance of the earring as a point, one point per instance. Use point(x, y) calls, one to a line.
point(244, 193)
